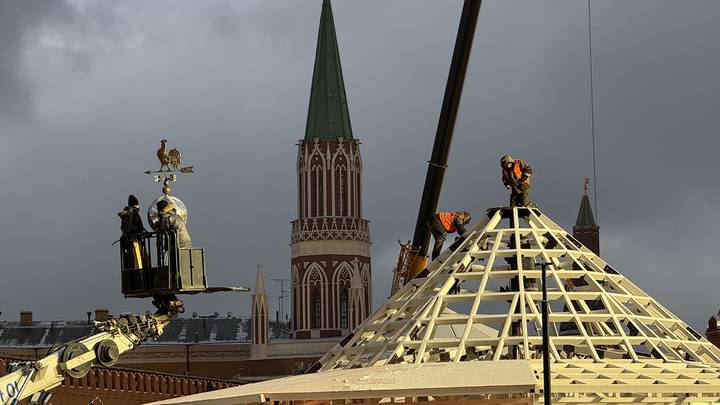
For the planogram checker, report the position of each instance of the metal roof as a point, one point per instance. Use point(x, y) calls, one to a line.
point(328, 114)
point(179, 331)
point(585, 218)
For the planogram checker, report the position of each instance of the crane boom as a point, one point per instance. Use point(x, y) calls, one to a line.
point(443, 136)
point(112, 338)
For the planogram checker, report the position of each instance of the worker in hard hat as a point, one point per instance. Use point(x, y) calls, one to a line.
point(442, 223)
point(169, 220)
point(516, 178)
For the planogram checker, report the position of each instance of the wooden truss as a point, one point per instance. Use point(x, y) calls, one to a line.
point(627, 381)
point(481, 301)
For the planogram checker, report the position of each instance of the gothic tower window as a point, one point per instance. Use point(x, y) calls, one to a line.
point(316, 302)
point(341, 280)
point(340, 191)
point(313, 186)
point(319, 192)
point(344, 298)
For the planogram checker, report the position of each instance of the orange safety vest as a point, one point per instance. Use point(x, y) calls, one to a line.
point(448, 220)
point(517, 171)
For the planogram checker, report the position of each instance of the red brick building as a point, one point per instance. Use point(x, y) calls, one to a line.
point(117, 386)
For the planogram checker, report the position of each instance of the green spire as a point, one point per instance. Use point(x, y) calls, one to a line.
point(328, 115)
point(585, 218)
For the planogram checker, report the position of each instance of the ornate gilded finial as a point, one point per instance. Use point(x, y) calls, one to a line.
point(587, 183)
point(166, 184)
point(169, 166)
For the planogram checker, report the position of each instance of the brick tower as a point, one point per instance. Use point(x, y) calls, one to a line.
point(713, 330)
point(330, 241)
point(586, 230)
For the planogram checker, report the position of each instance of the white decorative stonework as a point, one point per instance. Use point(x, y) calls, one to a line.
point(330, 228)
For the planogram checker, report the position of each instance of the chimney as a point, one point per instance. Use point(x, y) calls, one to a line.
point(26, 318)
point(101, 315)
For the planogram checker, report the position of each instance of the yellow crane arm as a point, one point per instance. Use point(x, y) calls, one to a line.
point(112, 338)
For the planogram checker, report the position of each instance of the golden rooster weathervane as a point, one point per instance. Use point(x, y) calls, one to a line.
point(169, 166)
point(171, 159)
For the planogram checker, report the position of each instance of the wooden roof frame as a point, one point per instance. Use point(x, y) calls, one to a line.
point(602, 326)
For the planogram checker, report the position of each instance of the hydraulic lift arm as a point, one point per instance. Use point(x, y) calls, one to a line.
point(112, 338)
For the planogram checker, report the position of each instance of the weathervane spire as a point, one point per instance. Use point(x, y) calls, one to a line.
point(169, 166)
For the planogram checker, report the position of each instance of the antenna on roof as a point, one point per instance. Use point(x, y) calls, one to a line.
point(280, 315)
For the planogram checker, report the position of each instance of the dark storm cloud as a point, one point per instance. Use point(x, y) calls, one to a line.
point(228, 84)
point(17, 21)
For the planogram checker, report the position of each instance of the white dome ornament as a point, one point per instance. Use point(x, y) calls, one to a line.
point(180, 209)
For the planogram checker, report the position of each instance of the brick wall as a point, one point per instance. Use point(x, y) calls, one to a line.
point(115, 386)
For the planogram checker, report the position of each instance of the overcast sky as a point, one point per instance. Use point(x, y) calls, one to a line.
point(88, 88)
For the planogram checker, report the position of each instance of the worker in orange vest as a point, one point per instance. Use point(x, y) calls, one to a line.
point(442, 223)
point(516, 178)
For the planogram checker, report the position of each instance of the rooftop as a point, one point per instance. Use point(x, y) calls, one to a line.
point(179, 331)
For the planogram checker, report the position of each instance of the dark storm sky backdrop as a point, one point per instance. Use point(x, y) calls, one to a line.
point(88, 88)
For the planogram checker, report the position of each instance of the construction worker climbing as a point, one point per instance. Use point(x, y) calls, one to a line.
point(442, 223)
point(516, 178)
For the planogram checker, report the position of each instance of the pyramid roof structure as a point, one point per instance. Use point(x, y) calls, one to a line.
point(608, 338)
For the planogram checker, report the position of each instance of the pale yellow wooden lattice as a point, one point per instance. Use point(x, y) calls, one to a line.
point(481, 301)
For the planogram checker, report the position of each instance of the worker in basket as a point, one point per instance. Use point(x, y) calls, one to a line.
point(132, 226)
point(169, 220)
point(442, 223)
point(516, 178)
